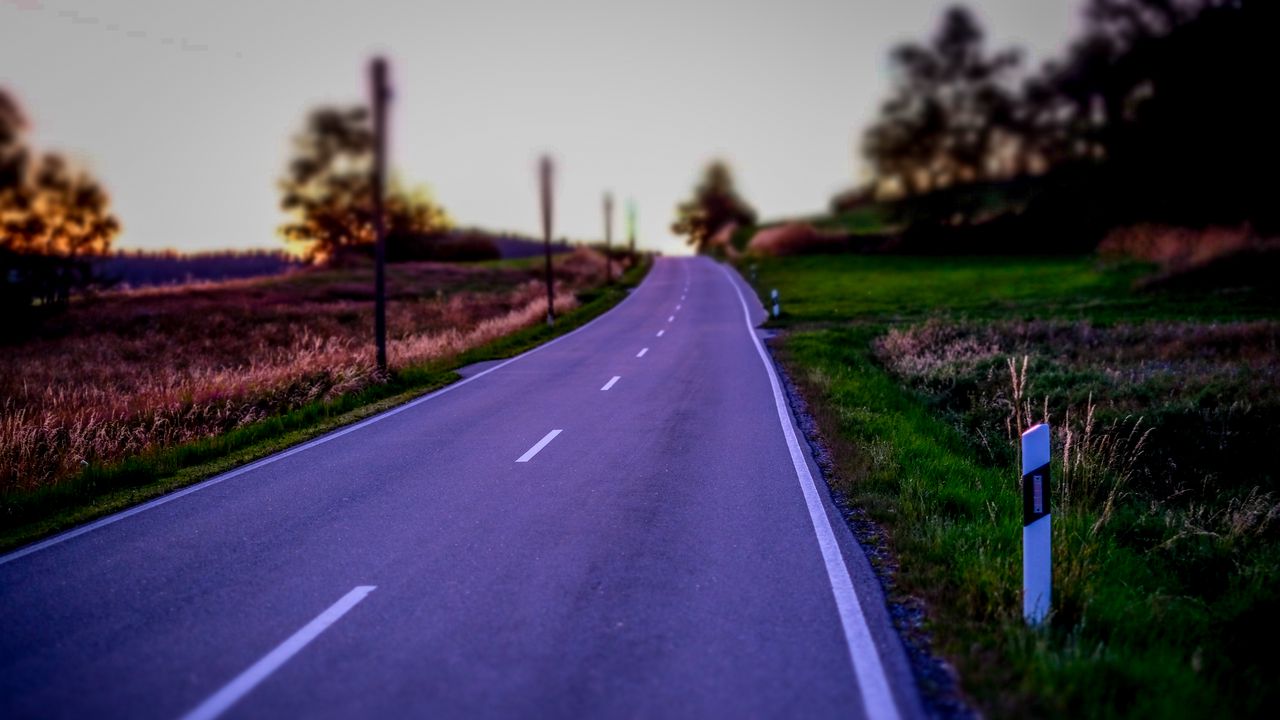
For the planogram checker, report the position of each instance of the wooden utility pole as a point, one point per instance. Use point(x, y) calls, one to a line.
point(608, 238)
point(545, 175)
point(631, 225)
point(381, 94)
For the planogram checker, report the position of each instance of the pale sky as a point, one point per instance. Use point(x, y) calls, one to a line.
point(184, 108)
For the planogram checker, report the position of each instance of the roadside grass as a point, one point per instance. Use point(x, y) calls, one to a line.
point(1166, 522)
point(103, 487)
point(819, 289)
point(530, 262)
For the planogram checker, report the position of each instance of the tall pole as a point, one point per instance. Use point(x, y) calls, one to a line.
point(631, 225)
point(608, 238)
point(381, 94)
point(545, 175)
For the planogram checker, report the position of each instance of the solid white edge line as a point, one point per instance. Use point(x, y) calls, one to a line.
point(877, 697)
point(642, 352)
point(611, 382)
point(528, 454)
point(163, 499)
point(245, 682)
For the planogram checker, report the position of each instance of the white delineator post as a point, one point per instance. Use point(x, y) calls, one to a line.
point(1037, 555)
point(776, 309)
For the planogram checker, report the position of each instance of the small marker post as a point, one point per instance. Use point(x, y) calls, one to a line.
point(777, 308)
point(1037, 552)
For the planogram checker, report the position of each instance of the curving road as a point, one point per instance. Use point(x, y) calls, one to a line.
point(620, 523)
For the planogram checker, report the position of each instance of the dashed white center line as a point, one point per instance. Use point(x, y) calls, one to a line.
point(528, 455)
point(246, 681)
point(679, 306)
point(671, 318)
point(613, 380)
point(642, 352)
point(660, 332)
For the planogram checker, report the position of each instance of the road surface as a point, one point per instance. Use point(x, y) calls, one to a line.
point(620, 523)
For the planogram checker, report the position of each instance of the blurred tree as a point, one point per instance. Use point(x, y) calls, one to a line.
point(13, 155)
point(1076, 108)
point(951, 115)
point(715, 203)
point(60, 212)
point(45, 206)
point(328, 189)
point(52, 219)
point(413, 212)
point(1167, 97)
point(1158, 111)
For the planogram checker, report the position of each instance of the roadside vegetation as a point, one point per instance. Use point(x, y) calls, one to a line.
point(111, 395)
point(922, 372)
point(1081, 243)
point(124, 390)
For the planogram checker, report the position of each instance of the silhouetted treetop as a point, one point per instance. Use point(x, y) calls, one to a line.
point(328, 188)
point(715, 204)
point(1165, 101)
point(950, 110)
point(52, 217)
point(47, 207)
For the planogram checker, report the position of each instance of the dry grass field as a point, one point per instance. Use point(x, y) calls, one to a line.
point(127, 373)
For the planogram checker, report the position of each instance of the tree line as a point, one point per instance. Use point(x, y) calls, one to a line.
point(1161, 109)
point(57, 227)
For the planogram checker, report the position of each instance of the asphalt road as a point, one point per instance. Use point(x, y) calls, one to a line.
point(620, 523)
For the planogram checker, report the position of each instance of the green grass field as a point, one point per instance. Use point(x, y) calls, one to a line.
point(1166, 524)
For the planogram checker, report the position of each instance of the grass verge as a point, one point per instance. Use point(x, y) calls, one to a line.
point(1166, 593)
